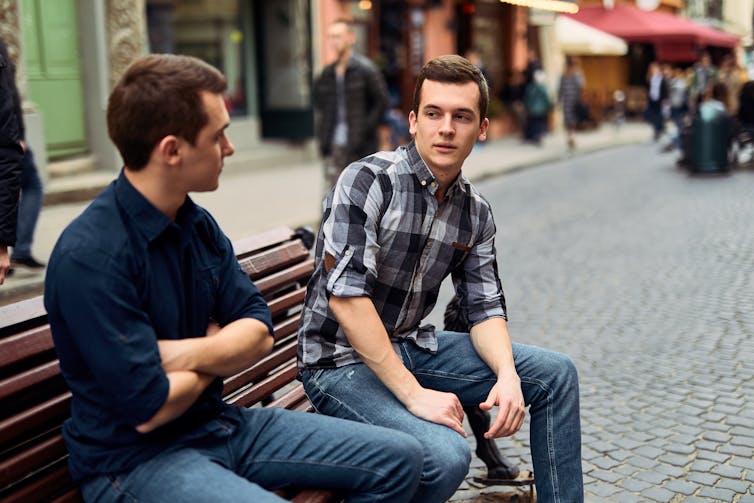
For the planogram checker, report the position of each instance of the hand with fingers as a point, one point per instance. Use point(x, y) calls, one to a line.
point(507, 395)
point(438, 407)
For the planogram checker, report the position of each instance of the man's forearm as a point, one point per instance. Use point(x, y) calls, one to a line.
point(364, 329)
point(492, 341)
point(185, 389)
point(231, 349)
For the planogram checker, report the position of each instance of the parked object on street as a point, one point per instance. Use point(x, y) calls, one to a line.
point(711, 134)
point(35, 400)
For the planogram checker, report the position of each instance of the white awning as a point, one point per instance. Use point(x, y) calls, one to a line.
point(577, 38)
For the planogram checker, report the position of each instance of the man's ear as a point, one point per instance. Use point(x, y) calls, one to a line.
point(168, 150)
point(483, 129)
point(412, 122)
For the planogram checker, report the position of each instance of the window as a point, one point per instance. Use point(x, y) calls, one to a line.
point(207, 29)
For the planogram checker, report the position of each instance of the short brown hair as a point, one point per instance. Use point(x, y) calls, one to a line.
point(159, 95)
point(453, 69)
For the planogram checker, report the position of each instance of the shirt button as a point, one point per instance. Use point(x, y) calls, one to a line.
point(424, 182)
point(433, 184)
point(348, 252)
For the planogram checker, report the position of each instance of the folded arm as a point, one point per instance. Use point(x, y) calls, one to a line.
point(192, 364)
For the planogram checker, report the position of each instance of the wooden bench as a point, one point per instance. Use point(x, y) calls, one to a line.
point(34, 400)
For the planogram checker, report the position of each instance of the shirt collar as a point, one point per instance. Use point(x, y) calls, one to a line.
point(425, 176)
point(145, 217)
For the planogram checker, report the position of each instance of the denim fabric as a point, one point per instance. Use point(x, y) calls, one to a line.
point(28, 207)
point(550, 387)
point(246, 453)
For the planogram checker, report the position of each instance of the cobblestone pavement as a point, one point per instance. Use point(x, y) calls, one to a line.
point(645, 276)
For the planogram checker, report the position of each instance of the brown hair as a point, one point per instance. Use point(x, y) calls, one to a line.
point(159, 95)
point(453, 69)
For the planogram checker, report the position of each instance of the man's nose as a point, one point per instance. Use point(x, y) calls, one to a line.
point(446, 126)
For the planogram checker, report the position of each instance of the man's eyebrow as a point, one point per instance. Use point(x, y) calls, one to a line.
point(455, 110)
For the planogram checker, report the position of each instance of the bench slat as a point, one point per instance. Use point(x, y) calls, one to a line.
point(26, 421)
point(292, 399)
point(29, 461)
point(265, 387)
point(266, 365)
point(309, 496)
point(287, 301)
point(269, 261)
point(287, 327)
point(245, 246)
point(21, 312)
point(42, 489)
point(291, 275)
point(31, 377)
point(24, 345)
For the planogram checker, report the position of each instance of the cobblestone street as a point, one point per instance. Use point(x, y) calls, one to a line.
point(645, 276)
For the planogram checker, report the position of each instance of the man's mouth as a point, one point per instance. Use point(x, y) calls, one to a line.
point(445, 147)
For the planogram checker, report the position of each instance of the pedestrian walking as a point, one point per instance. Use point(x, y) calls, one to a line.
point(537, 104)
point(149, 310)
point(657, 95)
point(350, 98)
point(679, 104)
point(11, 155)
point(569, 96)
point(395, 226)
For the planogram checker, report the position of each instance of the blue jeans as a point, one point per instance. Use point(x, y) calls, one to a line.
point(245, 453)
point(28, 207)
point(549, 382)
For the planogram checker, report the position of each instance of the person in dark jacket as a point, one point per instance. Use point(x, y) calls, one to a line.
point(657, 95)
point(350, 98)
point(11, 154)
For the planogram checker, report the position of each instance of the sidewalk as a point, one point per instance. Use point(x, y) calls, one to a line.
point(261, 196)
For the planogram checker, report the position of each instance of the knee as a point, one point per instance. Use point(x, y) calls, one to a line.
point(450, 458)
point(564, 370)
point(407, 452)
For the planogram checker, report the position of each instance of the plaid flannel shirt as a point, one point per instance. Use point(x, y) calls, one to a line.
point(384, 236)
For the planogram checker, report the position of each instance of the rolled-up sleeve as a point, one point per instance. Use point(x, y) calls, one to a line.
point(350, 233)
point(95, 316)
point(477, 278)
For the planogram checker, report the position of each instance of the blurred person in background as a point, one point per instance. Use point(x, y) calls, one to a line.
point(350, 98)
point(703, 74)
point(537, 104)
point(569, 96)
point(657, 95)
point(11, 155)
point(679, 104)
point(732, 77)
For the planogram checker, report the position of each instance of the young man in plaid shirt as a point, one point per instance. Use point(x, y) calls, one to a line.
point(396, 224)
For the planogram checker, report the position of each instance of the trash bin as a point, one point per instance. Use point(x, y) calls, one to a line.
point(710, 142)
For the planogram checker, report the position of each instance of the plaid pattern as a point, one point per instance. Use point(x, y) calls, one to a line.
point(384, 236)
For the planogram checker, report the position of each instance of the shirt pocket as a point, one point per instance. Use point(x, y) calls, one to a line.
point(458, 251)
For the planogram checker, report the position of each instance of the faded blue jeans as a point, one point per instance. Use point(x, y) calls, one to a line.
point(29, 206)
point(245, 453)
point(549, 382)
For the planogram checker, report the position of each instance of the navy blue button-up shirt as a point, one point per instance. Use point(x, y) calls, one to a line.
point(121, 276)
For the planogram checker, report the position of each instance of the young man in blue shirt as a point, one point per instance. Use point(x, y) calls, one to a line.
point(397, 224)
point(149, 310)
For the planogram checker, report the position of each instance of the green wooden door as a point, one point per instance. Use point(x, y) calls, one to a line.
point(53, 68)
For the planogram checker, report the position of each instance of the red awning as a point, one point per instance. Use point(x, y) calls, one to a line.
point(675, 38)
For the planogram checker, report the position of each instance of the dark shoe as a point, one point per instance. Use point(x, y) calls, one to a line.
point(29, 262)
